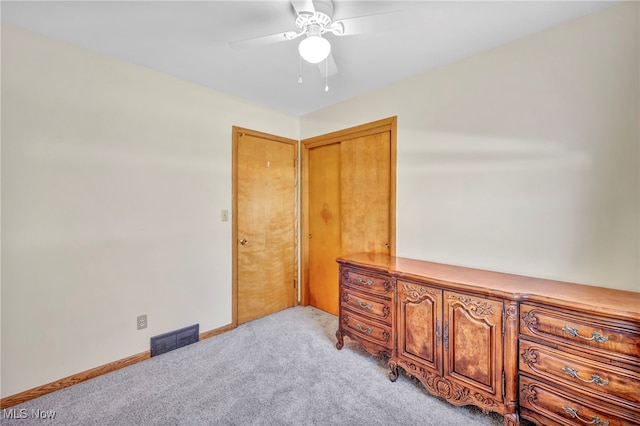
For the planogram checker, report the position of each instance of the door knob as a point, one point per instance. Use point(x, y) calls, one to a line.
point(243, 241)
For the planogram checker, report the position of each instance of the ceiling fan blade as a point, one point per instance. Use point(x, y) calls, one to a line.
point(303, 6)
point(369, 24)
point(328, 67)
point(262, 40)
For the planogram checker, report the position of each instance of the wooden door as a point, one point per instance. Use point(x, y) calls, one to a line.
point(365, 164)
point(348, 204)
point(264, 224)
point(324, 239)
point(419, 326)
point(472, 338)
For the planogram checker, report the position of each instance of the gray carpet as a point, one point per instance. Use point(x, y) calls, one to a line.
point(283, 369)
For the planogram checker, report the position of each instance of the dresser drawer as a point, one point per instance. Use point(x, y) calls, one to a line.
point(604, 381)
point(367, 305)
point(590, 334)
point(564, 408)
point(370, 283)
point(367, 328)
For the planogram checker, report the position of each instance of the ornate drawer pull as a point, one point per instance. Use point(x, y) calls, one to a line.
point(595, 420)
point(367, 306)
point(573, 372)
point(367, 330)
point(361, 281)
point(445, 335)
point(595, 336)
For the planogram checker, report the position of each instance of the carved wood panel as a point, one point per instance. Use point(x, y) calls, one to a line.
point(450, 390)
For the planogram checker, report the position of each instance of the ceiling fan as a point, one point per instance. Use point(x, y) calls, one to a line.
point(314, 18)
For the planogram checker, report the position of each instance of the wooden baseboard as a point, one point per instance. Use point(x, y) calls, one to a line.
point(216, 331)
point(72, 380)
point(39, 391)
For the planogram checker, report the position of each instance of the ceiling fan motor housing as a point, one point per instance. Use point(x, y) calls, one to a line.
point(322, 16)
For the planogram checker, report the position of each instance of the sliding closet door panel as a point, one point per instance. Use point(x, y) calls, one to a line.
point(324, 226)
point(365, 193)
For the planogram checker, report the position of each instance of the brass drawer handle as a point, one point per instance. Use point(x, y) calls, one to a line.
point(368, 306)
point(573, 372)
point(445, 335)
point(595, 420)
point(361, 281)
point(367, 330)
point(595, 336)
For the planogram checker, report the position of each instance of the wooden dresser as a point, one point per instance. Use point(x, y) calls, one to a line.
point(552, 352)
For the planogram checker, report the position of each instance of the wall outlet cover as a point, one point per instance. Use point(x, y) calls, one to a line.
point(141, 321)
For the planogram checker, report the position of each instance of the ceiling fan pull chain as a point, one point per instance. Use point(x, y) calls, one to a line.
point(300, 70)
point(326, 75)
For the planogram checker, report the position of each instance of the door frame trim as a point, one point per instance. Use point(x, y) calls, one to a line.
point(236, 133)
point(379, 126)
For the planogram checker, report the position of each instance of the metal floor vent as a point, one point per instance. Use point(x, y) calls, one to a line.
point(174, 339)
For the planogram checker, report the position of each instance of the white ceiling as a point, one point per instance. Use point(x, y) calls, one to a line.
point(190, 40)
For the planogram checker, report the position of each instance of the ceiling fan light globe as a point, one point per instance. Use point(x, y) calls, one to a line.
point(314, 49)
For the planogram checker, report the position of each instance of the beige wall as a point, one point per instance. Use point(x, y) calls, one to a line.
point(113, 178)
point(521, 159)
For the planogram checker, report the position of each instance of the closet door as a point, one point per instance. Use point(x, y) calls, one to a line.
point(325, 237)
point(365, 169)
point(348, 204)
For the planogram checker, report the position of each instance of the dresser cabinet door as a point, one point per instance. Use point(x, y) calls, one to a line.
point(472, 338)
point(419, 326)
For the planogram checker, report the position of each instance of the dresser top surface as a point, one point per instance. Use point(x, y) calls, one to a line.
point(625, 304)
